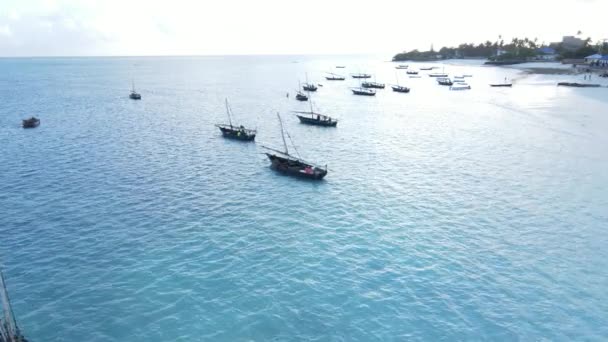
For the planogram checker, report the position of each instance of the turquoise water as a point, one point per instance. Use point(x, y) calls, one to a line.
point(472, 215)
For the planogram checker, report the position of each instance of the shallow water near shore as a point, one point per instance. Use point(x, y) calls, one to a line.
point(469, 215)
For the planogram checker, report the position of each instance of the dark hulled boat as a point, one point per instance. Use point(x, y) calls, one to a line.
point(401, 66)
point(412, 72)
point(579, 85)
point(291, 165)
point(233, 131)
point(9, 330)
point(361, 76)
point(363, 91)
point(373, 85)
point(309, 87)
point(444, 81)
point(340, 66)
point(501, 85)
point(427, 68)
point(316, 119)
point(134, 95)
point(400, 89)
point(32, 122)
point(438, 74)
point(300, 96)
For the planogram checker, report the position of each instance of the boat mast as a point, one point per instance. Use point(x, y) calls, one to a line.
point(283, 134)
point(228, 111)
point(9, 323)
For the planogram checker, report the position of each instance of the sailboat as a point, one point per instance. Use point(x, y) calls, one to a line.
point(233, 131)
point(374, 85)
point(9, 331)
point(334, 77)
point(309, 86)
point(399, 88)
point(300, 96)
point(316, 119)
point(361, 75)
point(284, 162)
point(134, 95)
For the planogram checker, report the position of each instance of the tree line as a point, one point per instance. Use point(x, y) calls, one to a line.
point(517, 48)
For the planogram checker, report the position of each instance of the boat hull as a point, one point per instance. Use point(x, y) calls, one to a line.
point(401, 89)
point(579, 85)
point(236, 134)
point(315, 122)
point(29, 123)
point(295, 168)
point(301, 97)
point(363, 93)
point(501, 85)
point(135, 96)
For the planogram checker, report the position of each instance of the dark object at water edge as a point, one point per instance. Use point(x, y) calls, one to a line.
point(578, 85)
point(507, 62)
point(374, 85)
point(502, 85)
point(31, 122)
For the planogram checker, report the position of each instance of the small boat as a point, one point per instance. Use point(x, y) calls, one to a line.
point(9, 330)
point(460, 86)
point(401, 66)
point(438, 74)
point(361, 75)
point(467, 75)
point(363, 91)
point(316, 119)
point(427, 68)
point(400, 89)
point(415, 76)
point(604, 74)
point(374, 85)
point(235, 131)
point(309, 87)
point(134, 95)
point(579, 85)
point(300, 96)
point(412, 72)
point(460, 77)
point(459, 81)
point(334, 77)
point(286, 163)
point(501, 85)
point(444, 81)
point(32, 122)
point(340, 66)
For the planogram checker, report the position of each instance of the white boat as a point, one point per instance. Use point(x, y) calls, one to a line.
point(460, 86)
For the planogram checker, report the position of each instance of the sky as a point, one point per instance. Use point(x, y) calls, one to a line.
point(224, 27)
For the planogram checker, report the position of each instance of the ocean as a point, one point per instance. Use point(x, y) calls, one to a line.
point(445, 215)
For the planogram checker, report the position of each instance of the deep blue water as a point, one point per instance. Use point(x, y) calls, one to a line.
point(473, 215)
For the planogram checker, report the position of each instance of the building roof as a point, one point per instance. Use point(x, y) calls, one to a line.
point(595, 56)
point(604, 58)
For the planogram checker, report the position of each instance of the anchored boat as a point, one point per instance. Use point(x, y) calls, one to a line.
point(134, 95)
point(32, 122)
point(286, 163)
point(233, 131)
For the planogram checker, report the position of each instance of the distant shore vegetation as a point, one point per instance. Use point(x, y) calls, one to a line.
point(517, 49)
